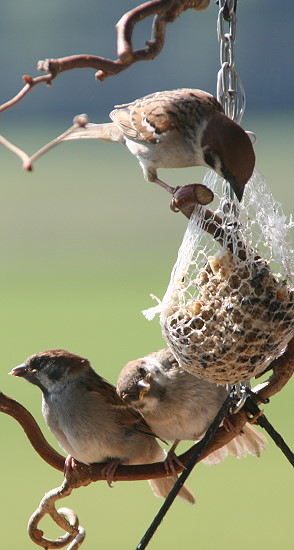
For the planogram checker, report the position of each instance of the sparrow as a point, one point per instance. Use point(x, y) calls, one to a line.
point(179, 406)
point(176, 129)
point(89, 420)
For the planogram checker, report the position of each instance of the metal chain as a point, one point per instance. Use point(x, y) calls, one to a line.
point(228, 80)
point(228, 85)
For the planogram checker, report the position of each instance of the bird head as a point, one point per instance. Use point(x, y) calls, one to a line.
point(228, 150)
point(134, 383)
point(142, 382)
point(51, 368)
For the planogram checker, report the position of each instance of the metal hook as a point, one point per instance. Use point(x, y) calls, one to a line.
point(240, 392)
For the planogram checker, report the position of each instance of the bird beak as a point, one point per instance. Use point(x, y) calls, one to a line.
point(144, 386)
point(20, 370)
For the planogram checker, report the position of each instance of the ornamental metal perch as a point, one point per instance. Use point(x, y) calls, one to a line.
point(164, 11)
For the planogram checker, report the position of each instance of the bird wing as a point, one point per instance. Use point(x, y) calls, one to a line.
point(147, 118)
point(126, 415)
point(131, 419)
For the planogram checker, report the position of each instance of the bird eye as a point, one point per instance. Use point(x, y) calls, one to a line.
point(142, 371)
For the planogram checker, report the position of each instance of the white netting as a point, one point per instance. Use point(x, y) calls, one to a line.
point(229, 308)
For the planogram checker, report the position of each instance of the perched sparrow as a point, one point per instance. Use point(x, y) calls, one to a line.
point(89, 420)
point(175, 129)
point(178, 405)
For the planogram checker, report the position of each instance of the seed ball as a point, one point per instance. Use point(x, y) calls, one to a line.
point(241, 318)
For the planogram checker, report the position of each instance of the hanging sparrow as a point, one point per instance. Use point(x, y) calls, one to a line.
point(89, 420)
point(176, 129)
point(179, 406)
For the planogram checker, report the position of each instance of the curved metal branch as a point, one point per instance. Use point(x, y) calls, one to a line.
point(283, 368)
point(64, 517)
point(164, 11)
point(29, 84)
point(27, 161)
point(185, 199)
point(34, 434)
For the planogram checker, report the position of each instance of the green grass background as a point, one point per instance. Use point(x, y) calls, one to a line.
point(84, 240)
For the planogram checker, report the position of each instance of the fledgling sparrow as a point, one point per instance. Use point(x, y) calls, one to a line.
point(89, 420)
point(179, 406)
point(176, 129)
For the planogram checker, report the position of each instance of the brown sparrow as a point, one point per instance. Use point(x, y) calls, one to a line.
point(176, 129)
point(179, 406)
point(89, 420)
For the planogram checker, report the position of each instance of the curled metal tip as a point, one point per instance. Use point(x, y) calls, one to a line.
point(251, 135)
point(240, 392)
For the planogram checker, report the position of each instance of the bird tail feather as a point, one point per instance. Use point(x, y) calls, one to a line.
point(161, 488)
point(106, 132)
point(250, 441)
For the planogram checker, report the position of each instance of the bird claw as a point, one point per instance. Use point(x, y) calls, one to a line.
point(69, 465)
point(165, 186)
point(229, 426)
point(169, 462)
point(174, 206)
point(109, 470)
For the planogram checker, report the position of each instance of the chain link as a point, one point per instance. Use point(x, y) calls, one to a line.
point(230, 90)
point(228, 85)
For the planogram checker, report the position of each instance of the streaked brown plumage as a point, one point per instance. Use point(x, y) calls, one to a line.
point(179, 406)
point(176, 129)
point(89, 420)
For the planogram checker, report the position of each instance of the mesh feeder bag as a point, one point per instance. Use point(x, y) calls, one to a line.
point(229, 308)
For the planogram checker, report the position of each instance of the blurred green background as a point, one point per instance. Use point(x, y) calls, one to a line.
point(84, 240)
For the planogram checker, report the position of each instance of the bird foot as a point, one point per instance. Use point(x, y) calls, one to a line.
point(69, 465)
point(230, 427)
point(169, 463)
point(165, 186)
point(109, 470)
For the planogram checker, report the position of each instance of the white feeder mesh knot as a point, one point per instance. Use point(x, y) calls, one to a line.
point(229, 308)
